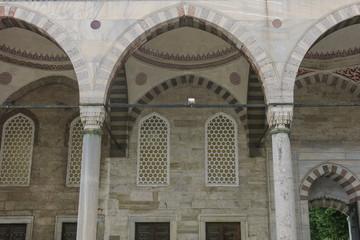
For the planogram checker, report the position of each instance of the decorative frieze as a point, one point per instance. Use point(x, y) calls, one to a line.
point(190, 66)
point(186, 58)
point(332, 54)
point(33, 56)
point(303, 71)
point(58, 67)
point(352, 73)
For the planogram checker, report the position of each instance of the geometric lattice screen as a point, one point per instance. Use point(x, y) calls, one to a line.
point(153, 151)
point(16, 150)
point(221, 151)
point(73, 173)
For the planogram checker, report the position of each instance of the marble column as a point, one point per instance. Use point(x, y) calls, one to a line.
point(92, 119)
point(279, 118)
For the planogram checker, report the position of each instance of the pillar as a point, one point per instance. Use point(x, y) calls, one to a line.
point(92, 118)
point(279, 118)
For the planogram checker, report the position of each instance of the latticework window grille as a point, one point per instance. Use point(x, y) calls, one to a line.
point(73, 173)
point(153, 151)
point(221, 151)
point(16, 150)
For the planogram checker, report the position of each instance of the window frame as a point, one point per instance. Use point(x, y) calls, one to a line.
point(28, 220)
point(59, 220)
point(33, 123)
point(236, 184)
point(73, 122)
point(152, 219)
point(204, 218)
point(167, 155)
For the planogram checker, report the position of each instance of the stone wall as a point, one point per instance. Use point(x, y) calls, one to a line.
point(47, 196)
point(187, 197)
point(323, 135)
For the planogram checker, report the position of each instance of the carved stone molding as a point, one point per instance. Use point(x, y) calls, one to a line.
point(303, 71)
point(186, 58)
point(34, 56)
point(332, 54)
point(279, 117)
point(352, 73)
point(92, 117)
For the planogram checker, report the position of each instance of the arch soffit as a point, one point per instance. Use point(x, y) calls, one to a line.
point(135, 36)
point(62, 38)
point(346, 179)
point(330, 79)
point(42, 82)
point(187, 80)
point(336, 204)
point(307, 40)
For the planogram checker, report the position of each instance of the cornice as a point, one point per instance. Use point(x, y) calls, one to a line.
point(42, 66)
point(190, 66)
point(33, 56)
point(333, 54)
point(186, 58)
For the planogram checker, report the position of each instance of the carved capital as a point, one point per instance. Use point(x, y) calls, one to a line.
point(279, 118)
point(92, 117)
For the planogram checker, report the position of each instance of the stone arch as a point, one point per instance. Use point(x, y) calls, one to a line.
point(61, 37)
point(6, 115)
point(187, 80)
point(42, 82)
point(329, 79)
point(321, 27)
point(336, 204)
point(167, 19)
point(125, 123)
point(346, 179)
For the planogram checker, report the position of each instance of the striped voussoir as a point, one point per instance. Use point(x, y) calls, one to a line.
point(330, 203)
point(15, 16)
point(256, 116)
point(346, 179)
point(119, 116)
point(336, 20)
point(185, 15)
point(190, 80)
point(329, 79)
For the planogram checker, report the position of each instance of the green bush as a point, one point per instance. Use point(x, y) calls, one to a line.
point(328, 224)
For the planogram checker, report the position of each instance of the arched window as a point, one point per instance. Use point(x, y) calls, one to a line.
point(16, 150)
point(221, 151)
point(153, 151)
point(73, 172)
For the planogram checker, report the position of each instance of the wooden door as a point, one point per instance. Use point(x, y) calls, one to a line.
point(223, 231)
point(152, 231)
point(12, 231)
point(69, 231)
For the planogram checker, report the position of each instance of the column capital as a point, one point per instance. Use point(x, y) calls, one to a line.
point(279, 118)
point(92, 117)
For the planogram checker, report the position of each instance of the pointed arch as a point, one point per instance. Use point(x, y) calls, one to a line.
point(323, 26)
point(153, 165)
point(75, 144)
point(221, 151)
point(188, 80)
point(126, 121)
point(347, 180)
point(336, 204)
point(330, 79)
point(185, 14)
point(55, 32)
point(17, 140)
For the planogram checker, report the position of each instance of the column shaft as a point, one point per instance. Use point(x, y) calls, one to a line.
point(89, 185)
point(283, 187)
